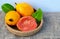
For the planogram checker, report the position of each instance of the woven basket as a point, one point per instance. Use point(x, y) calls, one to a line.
point(19, 33)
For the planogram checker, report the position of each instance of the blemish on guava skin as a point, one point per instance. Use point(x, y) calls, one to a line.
point(11, 20)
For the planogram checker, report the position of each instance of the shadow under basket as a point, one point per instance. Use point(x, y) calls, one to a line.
point(20, 33)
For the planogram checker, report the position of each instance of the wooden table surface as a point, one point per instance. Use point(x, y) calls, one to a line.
point(50, 29)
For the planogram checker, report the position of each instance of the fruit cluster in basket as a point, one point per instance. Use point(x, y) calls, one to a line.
point(24, 16)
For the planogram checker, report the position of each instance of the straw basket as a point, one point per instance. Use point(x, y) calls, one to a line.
point(20, 33)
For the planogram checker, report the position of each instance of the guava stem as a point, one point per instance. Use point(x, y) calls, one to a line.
point(15, 3)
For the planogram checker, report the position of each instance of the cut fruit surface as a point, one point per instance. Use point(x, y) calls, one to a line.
point(27, 23)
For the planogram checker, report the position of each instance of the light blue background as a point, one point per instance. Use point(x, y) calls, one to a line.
point(45, 5)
